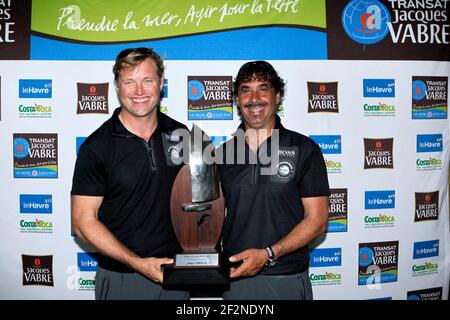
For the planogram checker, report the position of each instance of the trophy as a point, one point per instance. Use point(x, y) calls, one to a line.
point(197, 213)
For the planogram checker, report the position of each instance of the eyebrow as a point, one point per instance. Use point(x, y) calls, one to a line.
point(264, 84)
point(145, 78)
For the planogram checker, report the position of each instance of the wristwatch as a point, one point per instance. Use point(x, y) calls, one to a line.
point(273, 259)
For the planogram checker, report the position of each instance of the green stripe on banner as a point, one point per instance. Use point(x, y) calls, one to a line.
point(118, 20)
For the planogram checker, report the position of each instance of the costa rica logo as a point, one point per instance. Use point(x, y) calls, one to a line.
point(366, 22)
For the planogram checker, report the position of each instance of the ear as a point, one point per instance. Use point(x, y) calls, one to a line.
point(278, 98)
point(235, 100)
point(116, 86)
point(161, 85)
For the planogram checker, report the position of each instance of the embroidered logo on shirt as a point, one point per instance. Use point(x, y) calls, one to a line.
point(172, 137)
point(173, 148)
point(285, 169)
point(175, 154)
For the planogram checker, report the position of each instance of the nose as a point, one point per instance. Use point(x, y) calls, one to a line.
point(254, 95)
point(139, 88)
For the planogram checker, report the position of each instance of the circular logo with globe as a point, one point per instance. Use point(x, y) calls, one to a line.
point(195, 89)
point(21, 148)
point(365, 256)
point(419, 90)
point(366, 21)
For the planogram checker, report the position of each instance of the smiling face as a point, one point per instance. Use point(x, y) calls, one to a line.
point(258, 101)
point(138, 88)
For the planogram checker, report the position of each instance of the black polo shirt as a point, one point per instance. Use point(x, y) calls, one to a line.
point(135, 178)
point(261, 207)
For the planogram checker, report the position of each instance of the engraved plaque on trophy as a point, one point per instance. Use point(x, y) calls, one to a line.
point(197, 213)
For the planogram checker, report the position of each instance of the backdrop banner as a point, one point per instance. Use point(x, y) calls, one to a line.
point(367, 80)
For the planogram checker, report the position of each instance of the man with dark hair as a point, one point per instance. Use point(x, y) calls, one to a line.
point(122, 184)
point(275, 208)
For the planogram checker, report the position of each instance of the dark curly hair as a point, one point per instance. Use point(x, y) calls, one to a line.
point(261, 71)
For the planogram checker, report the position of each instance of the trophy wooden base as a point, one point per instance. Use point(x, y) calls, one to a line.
point(197, 277)
point(197, 219)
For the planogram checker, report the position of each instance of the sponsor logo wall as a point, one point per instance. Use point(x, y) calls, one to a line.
point(366, 80)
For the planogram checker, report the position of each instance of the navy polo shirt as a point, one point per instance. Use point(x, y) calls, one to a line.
point(135, 178)
point(262, 208)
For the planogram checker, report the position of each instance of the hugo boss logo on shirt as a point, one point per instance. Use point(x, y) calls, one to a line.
point(285, 169)
point(286, 153)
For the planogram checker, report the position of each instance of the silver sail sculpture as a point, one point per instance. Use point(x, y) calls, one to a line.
point(204, 175)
